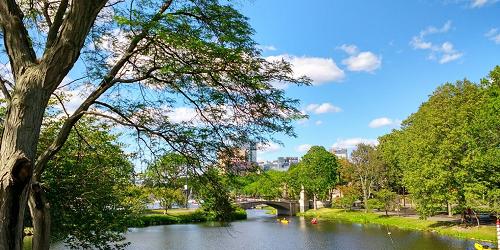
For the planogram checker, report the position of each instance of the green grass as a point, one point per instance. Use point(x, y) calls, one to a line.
point(485, 233)
point(270, 210)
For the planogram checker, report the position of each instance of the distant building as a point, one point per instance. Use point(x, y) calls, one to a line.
point(281, 164)
point(339, 152)
point(239, 160)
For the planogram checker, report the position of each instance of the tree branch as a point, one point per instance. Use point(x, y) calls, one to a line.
point(3, 86)
point(66, 38)
point(54, 27)
point(16, 38)
point(105, 84)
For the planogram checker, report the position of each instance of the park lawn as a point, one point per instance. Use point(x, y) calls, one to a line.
point(484, 233)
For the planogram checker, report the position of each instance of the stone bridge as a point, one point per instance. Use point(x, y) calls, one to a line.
point(283, 207)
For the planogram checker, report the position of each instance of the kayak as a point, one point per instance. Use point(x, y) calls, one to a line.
point(314, 221)
point(478, 246)
point(284, 221)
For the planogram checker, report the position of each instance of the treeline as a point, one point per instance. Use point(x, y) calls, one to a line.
point(447, 154)
point(317, 173)
point(445, 157)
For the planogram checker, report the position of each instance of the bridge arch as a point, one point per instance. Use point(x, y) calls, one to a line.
point(282, 207)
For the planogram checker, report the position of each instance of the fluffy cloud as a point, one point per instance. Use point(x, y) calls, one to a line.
point(322, 108)
point(364, 61)
point(319, 69)
point(319, 122)
point(481, 3)
point(493, 35)
point(383, 121)
point(353, 142)
point(303, 148)
point(443, 53)
point(269, 147)
point(360, 61)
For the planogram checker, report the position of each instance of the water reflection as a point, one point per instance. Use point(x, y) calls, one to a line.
point(263, 231)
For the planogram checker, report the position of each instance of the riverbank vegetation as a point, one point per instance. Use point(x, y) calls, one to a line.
point(486, 233)
point(180, 216)
point(443, 159)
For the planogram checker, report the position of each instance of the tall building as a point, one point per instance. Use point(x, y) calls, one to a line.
point(251, 152)
point(340, 152)
point(239, 160)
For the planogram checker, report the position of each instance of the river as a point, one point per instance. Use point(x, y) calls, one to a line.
point(262, 231)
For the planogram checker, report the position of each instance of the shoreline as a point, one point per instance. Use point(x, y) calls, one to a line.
point(481, 233)
point(180, 216)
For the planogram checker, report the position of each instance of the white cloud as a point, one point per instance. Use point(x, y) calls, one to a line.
point(443, 53)
point(360, 61)
point(364, 61)
point(319, 69)
point(303, 148)
point(353, 142)
point(481, 3)
point(266, 47)
point(383, 121)
point(446, 58)
point(323, 108)
point(478, 3)
point(183, 114)
point(349, 48)
point(269, 147)
point(493, 35)
point(319, 122)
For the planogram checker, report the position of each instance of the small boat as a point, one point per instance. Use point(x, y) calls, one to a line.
point(314, 221)
point(478, 246)
point(284, 221)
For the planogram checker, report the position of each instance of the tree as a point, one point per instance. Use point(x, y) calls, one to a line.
point(143, 60)
point(447, 150)
point(86, 186)
point(166, 177)
point(168, 197)
point(386, 198)
point(171, 171)
point(317, 172)
point(349, 196)
point(367, 168)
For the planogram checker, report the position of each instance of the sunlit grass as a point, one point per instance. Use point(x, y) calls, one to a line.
point(486, 233)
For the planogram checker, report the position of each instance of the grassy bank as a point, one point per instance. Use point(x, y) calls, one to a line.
point(178, 216)
point(269, 210)
point(486, 233)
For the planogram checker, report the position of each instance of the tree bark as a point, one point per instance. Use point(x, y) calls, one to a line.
point(18, 148)
point(40, 215)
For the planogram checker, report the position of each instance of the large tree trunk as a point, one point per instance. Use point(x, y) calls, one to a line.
point(17, 154)
point(40, 215)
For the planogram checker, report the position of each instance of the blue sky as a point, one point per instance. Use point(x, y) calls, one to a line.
point(373, 62)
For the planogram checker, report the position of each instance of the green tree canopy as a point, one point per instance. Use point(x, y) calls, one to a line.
point(317, 171)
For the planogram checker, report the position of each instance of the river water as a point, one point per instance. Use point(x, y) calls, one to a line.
point(262, 231)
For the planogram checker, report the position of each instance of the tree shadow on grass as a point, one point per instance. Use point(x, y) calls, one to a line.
point(446, 224)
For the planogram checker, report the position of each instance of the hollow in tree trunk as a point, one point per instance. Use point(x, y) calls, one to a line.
point(18, 148)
